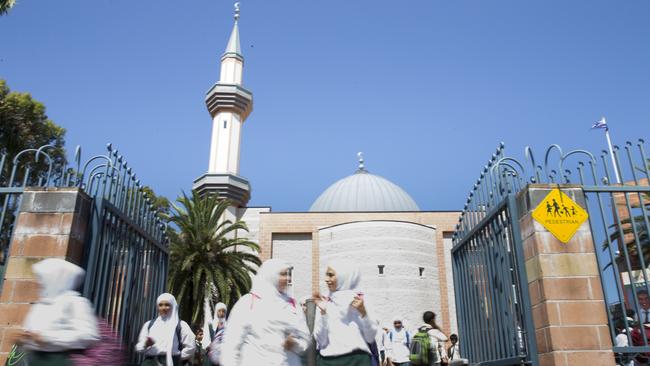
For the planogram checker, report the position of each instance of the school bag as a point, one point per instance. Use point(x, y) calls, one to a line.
point(109, 350)
point(422, 352)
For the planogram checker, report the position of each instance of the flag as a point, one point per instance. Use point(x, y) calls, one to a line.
point(600, 124)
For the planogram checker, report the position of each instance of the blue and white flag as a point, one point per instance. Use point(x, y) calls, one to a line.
point(600, 124)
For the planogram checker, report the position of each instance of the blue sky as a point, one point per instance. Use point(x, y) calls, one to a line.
point(426, 89)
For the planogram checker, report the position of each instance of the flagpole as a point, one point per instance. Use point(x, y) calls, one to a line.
point(611, 153)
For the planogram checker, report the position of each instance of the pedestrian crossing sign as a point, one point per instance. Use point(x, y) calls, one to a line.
point(560, 215)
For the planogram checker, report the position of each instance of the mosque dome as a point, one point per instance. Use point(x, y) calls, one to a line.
point(363, 191)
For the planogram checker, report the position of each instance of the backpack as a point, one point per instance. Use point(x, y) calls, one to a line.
point(109, 350)
point(408, 338)
point(422, 352)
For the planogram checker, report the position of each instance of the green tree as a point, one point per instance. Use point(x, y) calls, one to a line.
point(160, 203)
point(24, 125)
point(205, 256)
point(5, 5)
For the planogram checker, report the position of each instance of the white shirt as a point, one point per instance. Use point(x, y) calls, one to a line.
point(66, 322)
point(158, 348)
point(257, 330)
point(397, 348)
point(338, 335)
point(454, 352)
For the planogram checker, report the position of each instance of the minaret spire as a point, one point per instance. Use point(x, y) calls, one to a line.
point(234, 47)
point(229, 104)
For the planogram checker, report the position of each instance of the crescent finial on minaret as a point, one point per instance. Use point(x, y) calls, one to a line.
point(237, 10)
point(360, 156)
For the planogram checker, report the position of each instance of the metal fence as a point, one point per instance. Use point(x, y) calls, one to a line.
point(492, 301)
point(125, 254)
point(617, 193)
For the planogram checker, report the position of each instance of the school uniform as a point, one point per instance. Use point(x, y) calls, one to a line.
point(170, 347)
point(260, 322)
point(62, 318)
point(342, 334)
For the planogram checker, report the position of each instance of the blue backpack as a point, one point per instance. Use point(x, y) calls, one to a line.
point(408, 338)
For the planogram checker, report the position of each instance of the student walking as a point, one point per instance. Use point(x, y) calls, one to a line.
point(436, 336)
point(343, 326)
point(166, 340)
point(398, 344)
point(62, 320)
point(265, 326)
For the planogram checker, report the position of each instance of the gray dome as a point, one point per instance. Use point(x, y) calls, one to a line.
point(363, 191)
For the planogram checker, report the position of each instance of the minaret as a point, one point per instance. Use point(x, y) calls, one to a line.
point(229, 105)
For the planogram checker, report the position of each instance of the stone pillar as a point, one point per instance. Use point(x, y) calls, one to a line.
point(52, 222)
point(568, 305)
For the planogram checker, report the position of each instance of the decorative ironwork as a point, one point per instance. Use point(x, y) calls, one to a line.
point(125, 254)
point(492, 301)
point(619, 222)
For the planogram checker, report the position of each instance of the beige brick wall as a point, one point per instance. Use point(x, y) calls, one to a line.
point(568, 306)
point(51, 223)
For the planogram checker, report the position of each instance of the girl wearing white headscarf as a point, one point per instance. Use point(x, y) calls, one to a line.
point(166, 340)
point(343, 328)
point(61, 320)
point(265, 326)
point(216, 330)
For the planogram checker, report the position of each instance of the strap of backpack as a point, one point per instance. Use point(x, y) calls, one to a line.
point(211, 331)
point(408, 339)
point(178, 336)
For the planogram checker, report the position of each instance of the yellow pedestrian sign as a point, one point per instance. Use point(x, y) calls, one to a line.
point(560, 215)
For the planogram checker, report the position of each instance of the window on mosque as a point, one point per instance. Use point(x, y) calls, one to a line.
point(381, 269)
point(421, 272)
point(290, 281)
point(225, 124)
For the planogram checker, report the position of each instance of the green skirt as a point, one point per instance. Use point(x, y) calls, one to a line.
point(35, 358)
point(160, 361)
point(356, 358)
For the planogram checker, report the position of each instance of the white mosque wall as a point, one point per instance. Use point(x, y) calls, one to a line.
point(402, 248)
point(296, 249)
point(448, 244)
point(251, 216)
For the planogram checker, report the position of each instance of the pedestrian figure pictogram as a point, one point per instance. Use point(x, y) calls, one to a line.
point(560, 215)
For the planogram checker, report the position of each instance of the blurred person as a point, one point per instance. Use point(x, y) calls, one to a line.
point(644, 307)
point(398, 345)
point(380, 339)
point(343, 327)
point(453, 352)
point(200, 357)
point(62, 320)
point(265, 326)
point(437, 338)
point(166, 340)
point(216, 330)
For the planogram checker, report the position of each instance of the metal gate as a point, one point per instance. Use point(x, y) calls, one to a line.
point(125, 254)
point(487, 246)
point(492, 301)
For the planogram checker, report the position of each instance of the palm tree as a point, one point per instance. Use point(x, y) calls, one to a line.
point(5, 5)
point(205, 260)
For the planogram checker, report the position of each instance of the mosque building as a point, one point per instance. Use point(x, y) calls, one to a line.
point(403, 253)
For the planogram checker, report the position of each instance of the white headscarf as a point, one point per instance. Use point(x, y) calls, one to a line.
point(266, 284)
point(56, 277)
point(347, 281)
point(218, 307)
point(165, 327)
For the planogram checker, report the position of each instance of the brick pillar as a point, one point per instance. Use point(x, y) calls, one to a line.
point(567, 299)
point(52, 222)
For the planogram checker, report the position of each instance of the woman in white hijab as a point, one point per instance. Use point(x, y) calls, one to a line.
point(216, 330)
point(265, 326)
point(61, 320)
point(343, 328)
point(166, 340)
